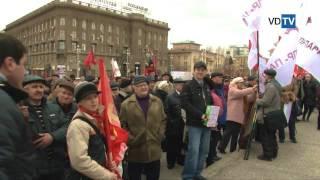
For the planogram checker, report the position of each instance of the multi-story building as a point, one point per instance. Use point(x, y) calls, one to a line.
point(239, 55)
point(64, 31)
point(183, 55)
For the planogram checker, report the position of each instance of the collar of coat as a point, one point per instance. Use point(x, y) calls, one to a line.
point(134, 98)
point(16, 94)
point(85, 115)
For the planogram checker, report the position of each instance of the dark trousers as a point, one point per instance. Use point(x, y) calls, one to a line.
point(174, 147)
point(292, 130)
point(215, 138)
point(268, 141)
point(319, 119)
point(52, 176)
point(232, 131)
point(308, 109)
point(152, 170)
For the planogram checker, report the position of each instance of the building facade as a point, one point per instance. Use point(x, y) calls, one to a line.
point(62, 33)
point(239, 55)
point(183, 55)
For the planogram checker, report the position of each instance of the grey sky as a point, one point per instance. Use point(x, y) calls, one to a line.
point(209, 22)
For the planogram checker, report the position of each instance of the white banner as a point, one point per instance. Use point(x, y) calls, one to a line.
point(253, 51)
point(115, 68)
point(283, 58)
point(181, 74)
point(262, 67)
point(308, 56)
point(252, 15)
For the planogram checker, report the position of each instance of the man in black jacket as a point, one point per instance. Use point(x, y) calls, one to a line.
point(195, 98)
point(16, 148)
point(175, 125)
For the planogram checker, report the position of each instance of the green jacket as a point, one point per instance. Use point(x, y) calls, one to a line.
point(270, 101)
point(16, 149)
point(70, 113)
point(52, 158)
point(145, 134)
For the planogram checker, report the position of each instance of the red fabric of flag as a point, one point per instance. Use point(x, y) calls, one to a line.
point(116, 137)
point(89, 60)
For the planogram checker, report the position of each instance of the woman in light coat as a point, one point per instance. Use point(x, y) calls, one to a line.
point(237, 100)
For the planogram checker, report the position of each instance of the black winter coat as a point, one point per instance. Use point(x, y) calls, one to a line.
point(194, 100)
point(175, 123)
point(16, 149)
point(310, 93)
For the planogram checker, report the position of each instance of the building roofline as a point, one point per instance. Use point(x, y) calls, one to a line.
point(186, 42)
point(86, 7)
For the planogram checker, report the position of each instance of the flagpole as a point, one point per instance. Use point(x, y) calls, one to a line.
point(258, 61)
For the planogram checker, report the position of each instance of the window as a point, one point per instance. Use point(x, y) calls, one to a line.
point(101, 38)
point(62, 21)
point(102, 28)
point(62, 34)
point(84, 24)
point(117, 30)
point(74, 35)
point(74, 46)
point(140, 32)
point(74, 22)
point(155, 37)
point(54, 22)
point(110, 29)
point(83, 47)
point(93, 37)
point(139, 42)
point(117, 40)
point(93, 26)
point(110, 40)
point(84, 36)
point(61, 45)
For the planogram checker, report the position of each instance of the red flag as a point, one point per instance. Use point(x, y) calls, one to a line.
point(155, 61)
point(89, 60)
point(116, 137)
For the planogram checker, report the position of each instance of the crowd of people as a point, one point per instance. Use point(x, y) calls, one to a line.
point(51, 128)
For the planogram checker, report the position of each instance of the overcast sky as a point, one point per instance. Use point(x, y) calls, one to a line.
point(208, 22)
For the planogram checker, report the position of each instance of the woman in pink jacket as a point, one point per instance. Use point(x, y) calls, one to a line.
point(237, 103)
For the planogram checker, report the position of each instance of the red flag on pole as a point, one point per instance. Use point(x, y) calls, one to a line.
point(116, 137)
point(89, 60)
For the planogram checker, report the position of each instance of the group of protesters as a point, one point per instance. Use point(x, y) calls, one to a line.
point(51, 128)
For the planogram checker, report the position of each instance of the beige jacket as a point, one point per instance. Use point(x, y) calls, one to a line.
point(77, 140)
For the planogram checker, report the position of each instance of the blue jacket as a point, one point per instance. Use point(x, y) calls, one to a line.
point(223, 118)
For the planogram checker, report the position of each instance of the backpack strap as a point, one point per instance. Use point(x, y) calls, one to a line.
point(90, 123)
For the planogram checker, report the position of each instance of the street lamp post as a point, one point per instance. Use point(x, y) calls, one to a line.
point(170, 65)
point(78, 60)
point(127, 62)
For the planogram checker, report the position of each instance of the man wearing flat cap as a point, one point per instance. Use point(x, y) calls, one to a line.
point(49, 126)
point(65, 98)
point(175, 125)
point(142, 114)
point(125, 89)
point(268, 103)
